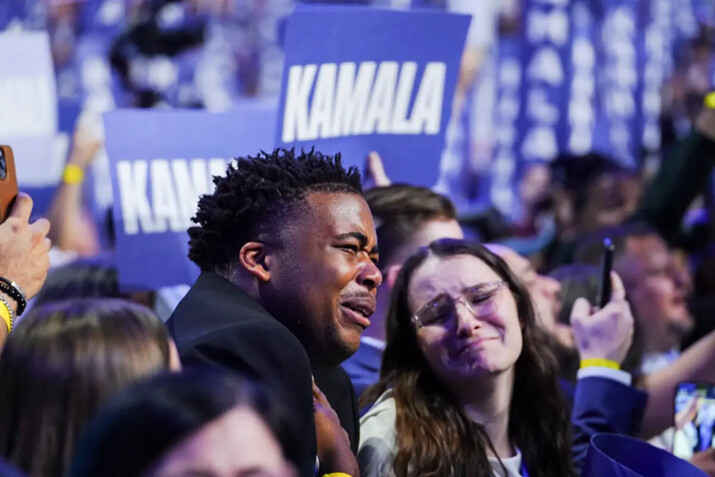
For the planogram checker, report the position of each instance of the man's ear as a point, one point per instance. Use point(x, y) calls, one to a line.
point(254, 260)
point(392, 272)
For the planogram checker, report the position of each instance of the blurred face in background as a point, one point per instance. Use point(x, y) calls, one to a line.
point(612, 198)
point(534, 186)
point(544, 292)
point(656, 287)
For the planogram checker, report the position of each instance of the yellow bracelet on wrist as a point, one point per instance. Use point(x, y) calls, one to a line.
point(337, 474)
point(600, 362)
point(73, 174)
point(710, 100)
point(6, 314)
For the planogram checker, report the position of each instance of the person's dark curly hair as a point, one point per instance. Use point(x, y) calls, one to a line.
point(258, 193)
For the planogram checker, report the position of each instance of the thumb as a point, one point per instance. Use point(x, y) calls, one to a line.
point(581, 310)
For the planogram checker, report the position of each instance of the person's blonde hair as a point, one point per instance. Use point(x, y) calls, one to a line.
point(61, 363)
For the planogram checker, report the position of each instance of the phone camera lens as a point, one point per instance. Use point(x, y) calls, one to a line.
point(3, 166)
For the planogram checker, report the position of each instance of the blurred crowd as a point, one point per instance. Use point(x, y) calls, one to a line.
point(343, 324)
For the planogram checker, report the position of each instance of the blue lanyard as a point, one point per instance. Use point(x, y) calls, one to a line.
point(523, 470)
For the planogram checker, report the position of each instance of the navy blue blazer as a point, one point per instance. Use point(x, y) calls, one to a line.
point(603, 405)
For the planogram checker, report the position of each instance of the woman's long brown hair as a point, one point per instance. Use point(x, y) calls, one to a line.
point(434, 437)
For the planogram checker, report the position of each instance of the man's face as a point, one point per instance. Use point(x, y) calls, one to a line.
point(612, 199)
point(324, 277)
point(544, 293)
point(534, 185)
point(656, 288)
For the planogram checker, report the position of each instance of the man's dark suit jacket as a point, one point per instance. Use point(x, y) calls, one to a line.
point(218, 324)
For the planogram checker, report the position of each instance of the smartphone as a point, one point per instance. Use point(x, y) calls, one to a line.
point(604, 281)
point(8, 181)
point(694, 419)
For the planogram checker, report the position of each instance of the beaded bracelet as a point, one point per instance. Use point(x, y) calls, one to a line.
point(11, 289)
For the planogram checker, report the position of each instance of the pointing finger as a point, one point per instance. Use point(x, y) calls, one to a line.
point(618, 292)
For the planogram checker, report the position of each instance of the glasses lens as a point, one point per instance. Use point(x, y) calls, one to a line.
point(438, 311)
point(484, 299)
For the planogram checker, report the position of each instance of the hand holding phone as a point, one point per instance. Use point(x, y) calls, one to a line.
point(8, 182)
point(604, 333)
point(694, 419)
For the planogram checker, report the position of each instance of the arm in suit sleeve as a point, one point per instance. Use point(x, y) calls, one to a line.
point(603, 405)
point(275, 358)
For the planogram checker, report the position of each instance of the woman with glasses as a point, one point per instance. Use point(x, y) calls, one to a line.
point(467, 387)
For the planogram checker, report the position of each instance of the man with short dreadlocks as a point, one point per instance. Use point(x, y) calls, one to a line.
point(287, 249)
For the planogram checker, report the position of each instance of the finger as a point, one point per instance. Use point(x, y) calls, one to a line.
point(581, 310)
point(618, 291)
point(35, 240)
point(318, 395)
point(43, 249)
point(375, 170)
point(22, 209)
point(40, 248)
point(40, 227)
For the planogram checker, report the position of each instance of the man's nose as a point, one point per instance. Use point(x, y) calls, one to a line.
point(370, 276)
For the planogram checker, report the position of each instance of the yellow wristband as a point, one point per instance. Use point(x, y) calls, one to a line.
point(73, 174)
point(710, 100)
point(600, 362)
point(337, 474)
point(6, 315)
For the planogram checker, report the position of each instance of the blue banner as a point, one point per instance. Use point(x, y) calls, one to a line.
point(362, 79)
point(510, 75)
point(161, 162)
point(593, 71)
point(28, 107)
point(547, 37)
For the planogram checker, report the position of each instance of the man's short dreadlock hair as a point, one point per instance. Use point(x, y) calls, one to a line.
point(253, 197)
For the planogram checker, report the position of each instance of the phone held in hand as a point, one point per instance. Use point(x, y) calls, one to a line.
point(694, 419)
point(604, 281)
point(8, 181)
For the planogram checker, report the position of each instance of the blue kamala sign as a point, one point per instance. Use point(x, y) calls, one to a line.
point(361, 79)
point(161, 162)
